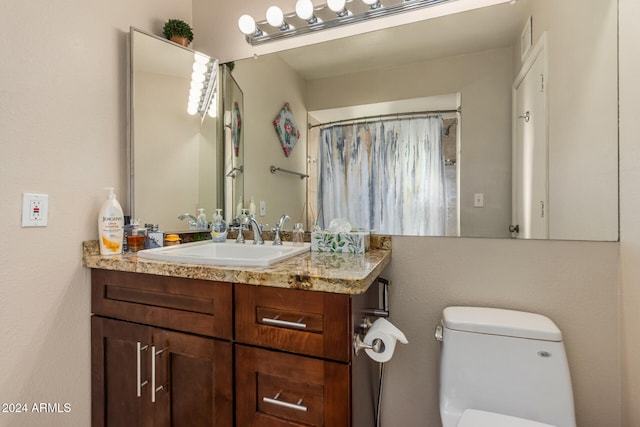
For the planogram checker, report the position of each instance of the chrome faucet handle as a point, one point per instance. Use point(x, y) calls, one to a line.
point(276, 238)
point(240, 238)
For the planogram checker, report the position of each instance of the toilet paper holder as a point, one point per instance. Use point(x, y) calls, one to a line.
point(377, 345)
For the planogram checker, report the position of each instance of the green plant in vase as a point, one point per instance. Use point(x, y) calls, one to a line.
point(178, 32)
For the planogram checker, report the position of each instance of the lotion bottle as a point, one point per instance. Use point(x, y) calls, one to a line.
point(110, 226)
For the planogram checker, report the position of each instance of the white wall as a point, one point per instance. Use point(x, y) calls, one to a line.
point(63, 133)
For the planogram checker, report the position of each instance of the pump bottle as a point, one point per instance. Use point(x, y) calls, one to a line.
point(110, 226)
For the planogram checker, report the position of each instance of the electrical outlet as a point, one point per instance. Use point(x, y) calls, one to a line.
point(35, 209)
point(263, 208)
point(478, 200)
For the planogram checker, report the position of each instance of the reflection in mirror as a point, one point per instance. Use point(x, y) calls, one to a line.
point(173, 153)
point(478, 57)
point(233, 116)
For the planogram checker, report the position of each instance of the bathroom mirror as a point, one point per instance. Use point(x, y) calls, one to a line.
point(175, 157)
point(454, 55)
point(233, 118)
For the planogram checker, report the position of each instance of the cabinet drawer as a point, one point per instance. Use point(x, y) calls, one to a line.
point(197, 306)
point(305, 322)
point(279, 389)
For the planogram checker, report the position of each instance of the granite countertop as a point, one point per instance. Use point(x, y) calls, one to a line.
point(325, 272)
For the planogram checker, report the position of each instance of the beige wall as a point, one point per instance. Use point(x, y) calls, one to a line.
point(160, 198)
point(583, 113)
point(267, 83)
point(63, 133)
point(630, 209)
point(574, 283)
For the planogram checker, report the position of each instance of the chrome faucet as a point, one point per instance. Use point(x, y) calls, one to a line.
point(257, 231)
point(244, 221)
point(193, 221)
point(276, 237)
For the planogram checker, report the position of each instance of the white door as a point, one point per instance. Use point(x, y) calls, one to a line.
point(530, 175)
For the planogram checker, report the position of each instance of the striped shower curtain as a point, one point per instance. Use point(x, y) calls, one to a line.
point(386, 176)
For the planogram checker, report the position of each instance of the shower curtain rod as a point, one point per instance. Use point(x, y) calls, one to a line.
point(381, 116)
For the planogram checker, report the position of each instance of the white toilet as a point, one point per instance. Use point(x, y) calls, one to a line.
point(503, 368)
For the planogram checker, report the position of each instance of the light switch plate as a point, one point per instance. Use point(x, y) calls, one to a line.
point(35, 209)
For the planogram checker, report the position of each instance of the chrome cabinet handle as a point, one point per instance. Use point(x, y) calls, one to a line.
point(139, 383)
point(154, 389)
point(274, 401)
point(276, 322)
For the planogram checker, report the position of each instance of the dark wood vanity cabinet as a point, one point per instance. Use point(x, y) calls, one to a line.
point(294, 359)
point(183, 352)
point(155, 367)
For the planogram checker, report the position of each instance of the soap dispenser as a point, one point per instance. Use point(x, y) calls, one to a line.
point(218, 227)
point(202, 220)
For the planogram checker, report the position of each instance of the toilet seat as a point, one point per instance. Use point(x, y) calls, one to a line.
point(475, 418)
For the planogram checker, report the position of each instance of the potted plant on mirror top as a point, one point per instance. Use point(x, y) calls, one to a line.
point(178, 32)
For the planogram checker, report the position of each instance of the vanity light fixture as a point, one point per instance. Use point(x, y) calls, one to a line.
point(275, 18)
point(247, 25)
point(308, 18)
point(373, 4)
point(203, 84)
point(304, 10)
point(339, 7)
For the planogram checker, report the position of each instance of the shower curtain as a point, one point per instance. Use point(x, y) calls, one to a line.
point(386, 176)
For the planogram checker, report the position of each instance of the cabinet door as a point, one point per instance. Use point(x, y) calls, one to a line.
point(119, 373)
point(193, 381)
point(275, 389)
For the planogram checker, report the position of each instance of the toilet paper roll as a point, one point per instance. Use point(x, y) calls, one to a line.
point(385, 331)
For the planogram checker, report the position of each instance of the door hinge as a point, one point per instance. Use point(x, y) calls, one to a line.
point(541, 82)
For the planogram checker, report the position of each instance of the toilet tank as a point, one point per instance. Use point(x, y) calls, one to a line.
point(504, 361)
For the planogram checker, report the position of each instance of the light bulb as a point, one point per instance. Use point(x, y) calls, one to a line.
point(304, 9)
point(275, 17)
point(370, 2)
point(192, 110)
point(200, 68)
point(247, 24)
point(197, 77)
point(197, 85)
point(336, 5)
point(200, 58)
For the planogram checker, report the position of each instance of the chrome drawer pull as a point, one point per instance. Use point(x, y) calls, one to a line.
point(139, 383)
point(276, 322)
point(297, 406)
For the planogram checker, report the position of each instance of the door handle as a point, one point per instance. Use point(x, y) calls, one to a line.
point(139, 383)
point(154, 388)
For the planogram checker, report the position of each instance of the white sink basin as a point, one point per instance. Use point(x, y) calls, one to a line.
point(225, 253)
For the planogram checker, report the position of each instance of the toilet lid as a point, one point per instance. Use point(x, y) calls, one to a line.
point(475, 418)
